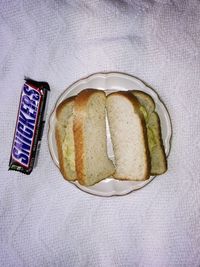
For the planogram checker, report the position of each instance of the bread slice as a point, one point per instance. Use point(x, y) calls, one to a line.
point(156, 148)
point(92, 162)
point(65, 139)
point(129, 137)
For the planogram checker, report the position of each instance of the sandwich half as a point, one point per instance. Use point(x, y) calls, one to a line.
point(155, 143)
point(92, 162)
point(65, 138)
point(129, 137)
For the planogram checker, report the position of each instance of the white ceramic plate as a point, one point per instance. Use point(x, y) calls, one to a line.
point(112, 81)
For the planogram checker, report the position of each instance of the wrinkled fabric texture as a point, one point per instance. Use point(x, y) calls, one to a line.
point(45, 221)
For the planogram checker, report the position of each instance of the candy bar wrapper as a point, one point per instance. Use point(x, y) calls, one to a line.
point(29, 126)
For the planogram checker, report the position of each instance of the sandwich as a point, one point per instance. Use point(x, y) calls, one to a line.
point(81, 138)
point(135, 134)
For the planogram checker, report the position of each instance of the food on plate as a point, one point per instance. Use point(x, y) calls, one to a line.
point(29, 126)
point(156, 148)
point(129, 137)
point(81, 138)
point(135, 133)
point(65, 138)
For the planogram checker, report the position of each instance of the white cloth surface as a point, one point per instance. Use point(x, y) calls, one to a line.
point(45, 221)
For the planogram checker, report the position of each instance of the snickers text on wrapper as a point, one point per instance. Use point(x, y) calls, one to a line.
point(29, 126)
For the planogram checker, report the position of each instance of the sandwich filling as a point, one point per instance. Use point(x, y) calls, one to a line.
point(150, 131)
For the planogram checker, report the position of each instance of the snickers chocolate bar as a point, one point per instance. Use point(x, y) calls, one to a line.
point(29, 126)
